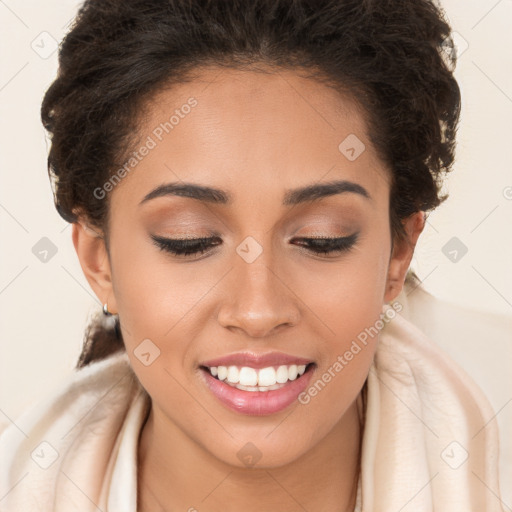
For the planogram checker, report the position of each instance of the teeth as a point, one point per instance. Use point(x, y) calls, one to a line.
point(264, 379)
point(282, 374)
point(222, 372)
point(233, 374)
point(248, 376)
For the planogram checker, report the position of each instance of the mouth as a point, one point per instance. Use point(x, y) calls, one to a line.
point(256, 389)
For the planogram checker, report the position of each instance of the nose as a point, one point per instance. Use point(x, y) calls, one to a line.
point(259, 300)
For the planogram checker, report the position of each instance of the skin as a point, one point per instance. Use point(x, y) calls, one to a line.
point(255, 136)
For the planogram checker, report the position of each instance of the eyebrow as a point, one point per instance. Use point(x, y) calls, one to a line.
point(309, 193)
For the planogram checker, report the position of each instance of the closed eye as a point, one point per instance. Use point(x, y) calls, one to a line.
point(193, 246)
point(330, 245)
point(185, 246)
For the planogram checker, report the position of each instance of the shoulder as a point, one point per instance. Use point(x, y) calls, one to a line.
point(477, 340)
point(84, 414)
point(425, 411)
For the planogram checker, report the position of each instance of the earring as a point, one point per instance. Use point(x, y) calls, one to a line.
point(106, 312)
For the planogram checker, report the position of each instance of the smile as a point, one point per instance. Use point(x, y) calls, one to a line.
point(257, 385)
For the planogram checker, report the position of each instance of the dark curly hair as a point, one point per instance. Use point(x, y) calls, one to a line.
point(388, 55)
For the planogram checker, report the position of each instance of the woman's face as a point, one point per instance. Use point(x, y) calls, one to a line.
point(260, 147)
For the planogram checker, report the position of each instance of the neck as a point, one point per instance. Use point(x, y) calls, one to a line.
point(177, 474)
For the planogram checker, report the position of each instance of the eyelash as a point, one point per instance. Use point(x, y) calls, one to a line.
point(190, 246)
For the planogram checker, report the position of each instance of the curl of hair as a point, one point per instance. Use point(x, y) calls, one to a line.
point(388, 55)
point(102, 338)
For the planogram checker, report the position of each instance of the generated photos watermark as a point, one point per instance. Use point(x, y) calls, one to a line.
point(355, 348)
point(151, 143)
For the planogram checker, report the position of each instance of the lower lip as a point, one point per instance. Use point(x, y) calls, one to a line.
point(258, 403)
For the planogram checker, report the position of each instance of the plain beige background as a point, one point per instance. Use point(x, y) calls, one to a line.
point(44, 305)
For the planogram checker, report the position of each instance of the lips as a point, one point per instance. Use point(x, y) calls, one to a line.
point(241, 388)
point(256, 361)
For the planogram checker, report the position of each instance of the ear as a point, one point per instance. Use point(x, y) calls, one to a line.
point(92, 253)
point(402, 255)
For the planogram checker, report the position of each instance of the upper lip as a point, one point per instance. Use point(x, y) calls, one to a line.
point(256, 361)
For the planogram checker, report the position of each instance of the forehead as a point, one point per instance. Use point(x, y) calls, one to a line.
point(252, 132)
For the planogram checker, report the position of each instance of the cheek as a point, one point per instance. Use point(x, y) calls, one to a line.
point(164, 302)
point(139, 288)
point(351, 310)
point(348, 294)
point(349, 303)
point(151, 294)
